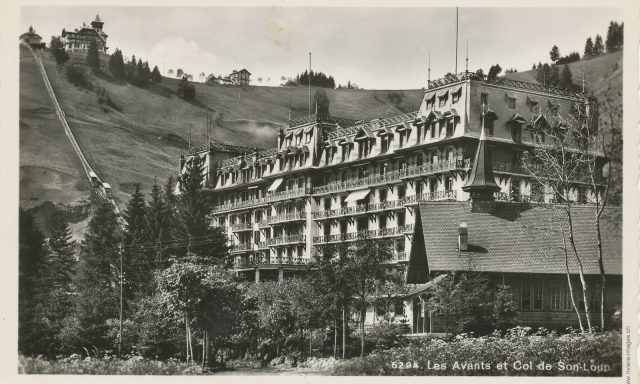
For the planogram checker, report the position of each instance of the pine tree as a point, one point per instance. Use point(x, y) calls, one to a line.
point(62, 253)
point(598, 47)
point(131, 69)
point(193, 207)
point(156, 77)
point(566, 80)
point(116, 65)
point(588, 48)
point(31, 259)
point(554, 79)
point(97, 282)
point(555, 53)
point(93, 59)
point(135, 264)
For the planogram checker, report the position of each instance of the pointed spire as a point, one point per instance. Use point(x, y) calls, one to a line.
point(481, 183)
point(97, 18)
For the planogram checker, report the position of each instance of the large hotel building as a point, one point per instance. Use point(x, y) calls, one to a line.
point(333, 179)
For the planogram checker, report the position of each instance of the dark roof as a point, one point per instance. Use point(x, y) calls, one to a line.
point(481, 177)
point(518, 238)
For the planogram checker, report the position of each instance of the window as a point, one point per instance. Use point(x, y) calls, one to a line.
point(534, 107)
point(433, 130)
point(450, 127)
point(455, 97)
point(383, 169)
point(400, 222)
point(532, 296)
point(430, 104)
point(398, 307)
point(516, 132)
point(512, 102)
point(484, 98)
point(382, 221)
point(441, 127)
point(401, 193)
point(401, 140)
point(382, 195)
point(419, 133)
point(442, 101)
point(592, 297)
point(384, 144)
point(448, 183)
point(419, 159)
point(345, 152)
point(308, 137)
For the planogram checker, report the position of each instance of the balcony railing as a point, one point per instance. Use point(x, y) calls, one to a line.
point(290, 239)
point(431, 196)
point(242, 247)
point(291, 216)
point(519, 198)
point(344, 211)
point(388, 177)
point(364, 234)
point(239, 227)
point(262, 200)
point(255, 260)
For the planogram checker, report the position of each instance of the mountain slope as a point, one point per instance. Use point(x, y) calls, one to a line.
point(146, 132)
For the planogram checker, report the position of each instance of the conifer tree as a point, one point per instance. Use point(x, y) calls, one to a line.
point(193, 207)
point(554, 79)
point(598, 47)
point(555, 53)
point(97, 281)
point(31, 258)
point(170, 205)
point(61, 261)
point(156, 77)
point(93, 59)
point(566, 80)
point(116, 65)
point(136, 264)
point(588, 48)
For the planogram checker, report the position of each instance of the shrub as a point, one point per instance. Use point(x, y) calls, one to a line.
point(186, 90)
point(77, 75)
point(384, 336)
point(518, 345)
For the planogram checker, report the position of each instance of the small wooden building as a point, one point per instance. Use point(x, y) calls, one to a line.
point(32, 39)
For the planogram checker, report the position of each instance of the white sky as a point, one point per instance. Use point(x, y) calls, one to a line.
point(379, 48)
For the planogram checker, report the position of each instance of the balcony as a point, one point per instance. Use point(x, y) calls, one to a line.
point(284, 240)
point(291, 216)
point(364, 234)
point(344, 211)
point(242, 247)
point(400, 256)
point(263, 245)
point(518, 198)
point(241, 227)
point(283, 195)
point(256, 260)
point(264, 223)
point(431, 196)
point(392, 177)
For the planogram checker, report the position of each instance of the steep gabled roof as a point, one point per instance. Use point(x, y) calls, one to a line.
point(518, 238)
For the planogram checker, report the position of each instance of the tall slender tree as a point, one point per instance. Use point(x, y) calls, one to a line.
point(116, 65)
point(93, 59)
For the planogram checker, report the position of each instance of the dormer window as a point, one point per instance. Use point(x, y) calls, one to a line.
point(455, 94)
point(511, 101)
point(442, 101)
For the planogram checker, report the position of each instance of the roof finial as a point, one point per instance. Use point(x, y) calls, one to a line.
point(429, 71)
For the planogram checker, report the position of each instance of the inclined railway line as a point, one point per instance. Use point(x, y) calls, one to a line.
point(100, 187)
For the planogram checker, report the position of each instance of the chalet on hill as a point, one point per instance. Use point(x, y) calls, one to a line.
point(77, 42)
point(241, 77)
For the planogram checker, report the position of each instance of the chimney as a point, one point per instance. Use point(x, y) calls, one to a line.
point(280, 138)
point(463, 237)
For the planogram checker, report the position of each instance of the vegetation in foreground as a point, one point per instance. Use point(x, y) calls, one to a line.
point(518, 352)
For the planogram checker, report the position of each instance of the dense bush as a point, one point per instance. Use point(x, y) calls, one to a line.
point(77, 75)
point(383, 336)
point(518, 345)
point(186, 90)
point(108, 365)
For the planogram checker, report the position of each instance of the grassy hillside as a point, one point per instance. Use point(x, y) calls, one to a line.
point(148, 130)
point(600, 72)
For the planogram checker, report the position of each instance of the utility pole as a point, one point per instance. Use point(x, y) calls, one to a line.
point(121, 278)
point(309, 83)
point(466, 69)
point(429, 71)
